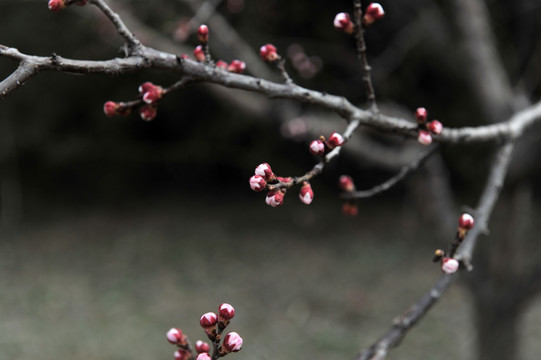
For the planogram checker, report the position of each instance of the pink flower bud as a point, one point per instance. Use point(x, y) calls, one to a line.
point(148, 112)
point(201, 347)
point(232, 342)
point(346, 183)
point(374, 11)
point(343, 22)
point(237, 66)
point(153, 95)
point(306, 194)
point(275, 198)
point(424, 138)
point(449, 265)
point(268, 53)
point(203, 356)
point(350, 209)
point(175, 336)
point(317, 147)
point(257, 183)
point(208, 320)
point(182, 354)
point(435, 127)
point(265, 171)
point(226, 311)
point(335, 140)
point(221, 64)
point(110, 108)
point(57, 5)
point(203, 34)
point(199, 54)
point(421, 115)
point(466, 221)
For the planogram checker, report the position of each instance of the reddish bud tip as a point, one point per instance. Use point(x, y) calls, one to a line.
point(203, 34)
point(148, 112)
point(424, 138)
point(110, 108)
point(335, 140)
point(449, 265)
point(421, 115)
point(203, 356)
point(201, 347)
point(208, 320)
point(435, 127)
point(275, 198)
point(343, 22)
point(350, 209)
point(56, 5)
point(226, 311)
point(346, 183)
point(317, 147)
point(466, 221)
point(374, 11)
point(199, 54)
point(264, 170)
point(237, 66)
point(232, 342)
point(306, 194)
point(268, 53)
point(257, 183)
point(221, 64)
point(175, 336)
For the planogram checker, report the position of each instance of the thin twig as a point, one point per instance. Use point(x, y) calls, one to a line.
point(361, 55)
point(406, 169)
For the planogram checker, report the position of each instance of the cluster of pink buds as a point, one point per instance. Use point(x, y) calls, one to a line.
point(213, 324)
point(265, 179)
point(349, 208)
point(149, 93)
point(450, 265)
point(426, 129)
point(269, 53)
point(57, 5)
point(322, 146)
point(373, 12)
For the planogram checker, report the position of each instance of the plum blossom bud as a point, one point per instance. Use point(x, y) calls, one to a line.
point(265, 171)
point(335, 140)
point(275, 198)
point(226, 312)
point(182, 354)
point(317, 147)
point(110, 108)
point(221, 64)
point(148, 112)
point(237, 66)
point(199, 54)
point(56, 5)
point(268, 53)
point(175, 336)
point(203, 34)
point(343, 22)
point(346, 183)
point(466, 221)
point(435, 127)
point(449, 265)
point(232, 342)
point(257, 183)
point(208, 321)
point(424, 138)
point(306, 194)
point(203, 356)
point(350, 209)
point(421, 115)
point(201, 347)
point(374, 11)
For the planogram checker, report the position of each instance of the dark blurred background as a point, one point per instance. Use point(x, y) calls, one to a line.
point(116, 229)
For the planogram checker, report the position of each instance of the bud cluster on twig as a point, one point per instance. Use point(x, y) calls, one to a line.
point(450, 265)
point(213, 324)
point(426, 129)
point(342, 21)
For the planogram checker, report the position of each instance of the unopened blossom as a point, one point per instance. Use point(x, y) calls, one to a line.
point(175, 336)
point(56, 5)
point(449, 265)
point(274, 198)
point(373, 12)
point(421, 115)
point(346, 183)
point(335, 140)
point(237, 66)
point(199, 54)
point(268, 53)
point(257, 183)
point(201, 347)
point(232, 342)
point(203, 34)
point(342, 22)
point(317, 147)
point(424, 138)
point(306, 194)
point(435, 127)
point(265, 171)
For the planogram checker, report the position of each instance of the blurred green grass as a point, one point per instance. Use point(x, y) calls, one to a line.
point(306, 282)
